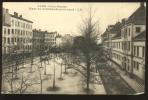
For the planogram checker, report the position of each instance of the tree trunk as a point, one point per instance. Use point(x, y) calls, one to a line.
point(45, 69)
point(88, 76)
point(16, 70)
point(41, 86)
point(65, 67)
point(11, 86)
point(61, 72)
point(12, 70)
point(54, 78)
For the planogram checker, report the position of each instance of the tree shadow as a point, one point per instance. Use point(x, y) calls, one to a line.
point(60, 79)
point(90, 91)
point(53, 89)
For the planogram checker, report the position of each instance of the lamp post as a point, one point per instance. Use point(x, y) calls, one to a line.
point(143, 67)
point(45, 68)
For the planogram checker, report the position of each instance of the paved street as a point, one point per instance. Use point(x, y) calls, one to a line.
point(137, 87)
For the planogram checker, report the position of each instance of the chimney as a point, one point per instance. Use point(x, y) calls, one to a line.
point(142, 5)
point(39, 29)
point(7, 11)
point(20, 16)
point(3, 15)
point(16, 14)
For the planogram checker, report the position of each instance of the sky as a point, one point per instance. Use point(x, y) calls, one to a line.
point(65, 22)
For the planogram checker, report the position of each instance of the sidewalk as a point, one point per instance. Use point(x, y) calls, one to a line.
point(137, 87)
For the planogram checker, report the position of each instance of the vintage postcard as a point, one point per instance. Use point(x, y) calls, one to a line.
point(73, 48)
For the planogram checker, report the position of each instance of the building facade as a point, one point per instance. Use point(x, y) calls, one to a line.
point(17, 34)
point(38, 42)
point(121, 45)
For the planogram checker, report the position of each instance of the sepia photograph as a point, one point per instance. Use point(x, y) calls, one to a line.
point(78, 48)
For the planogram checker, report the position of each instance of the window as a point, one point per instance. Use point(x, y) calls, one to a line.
point(18, 24)
point(15, 23)
point(119, 45)
point(21, 32)
point(143, 51)
point(122, 45)
point(8, 40)
point(128, 61)
point(21, 24)
point(125, 45)
point(21, 39)
point(4, 49)
point(134, 50)
point(17, 39)
point(128, 67)
point(12, 22)
point(24, 25)
point(125, 33)
point(124, 58)
point(137, 51)
point(137, 66)
point(137, 29)
point(12, 40)
point(4, 39)
point(4, 30)
point(134, 63)
point(26, 32)
point(8, 31)
point(129, 46)
point(12, 31)
point(15, 31)
point(129, 31)
point(18, 31)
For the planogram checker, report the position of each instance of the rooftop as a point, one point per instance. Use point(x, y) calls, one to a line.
point(58, 36)
point(21, 18)
point(140, 37)
point(5, 24)
point(117, 36)
point(139, 16)
point(116, 28)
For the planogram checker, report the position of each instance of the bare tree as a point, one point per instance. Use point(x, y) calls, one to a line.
point(87, 52)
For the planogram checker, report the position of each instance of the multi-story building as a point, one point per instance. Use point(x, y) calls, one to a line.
point(120, 41)
point(50, 39)
point(38, 42)
point(139, 55)
point(6, 31)
point(17, 33)
point(58, 41)
point(43, 41)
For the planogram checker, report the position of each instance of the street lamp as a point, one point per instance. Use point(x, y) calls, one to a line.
point(143, 67)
